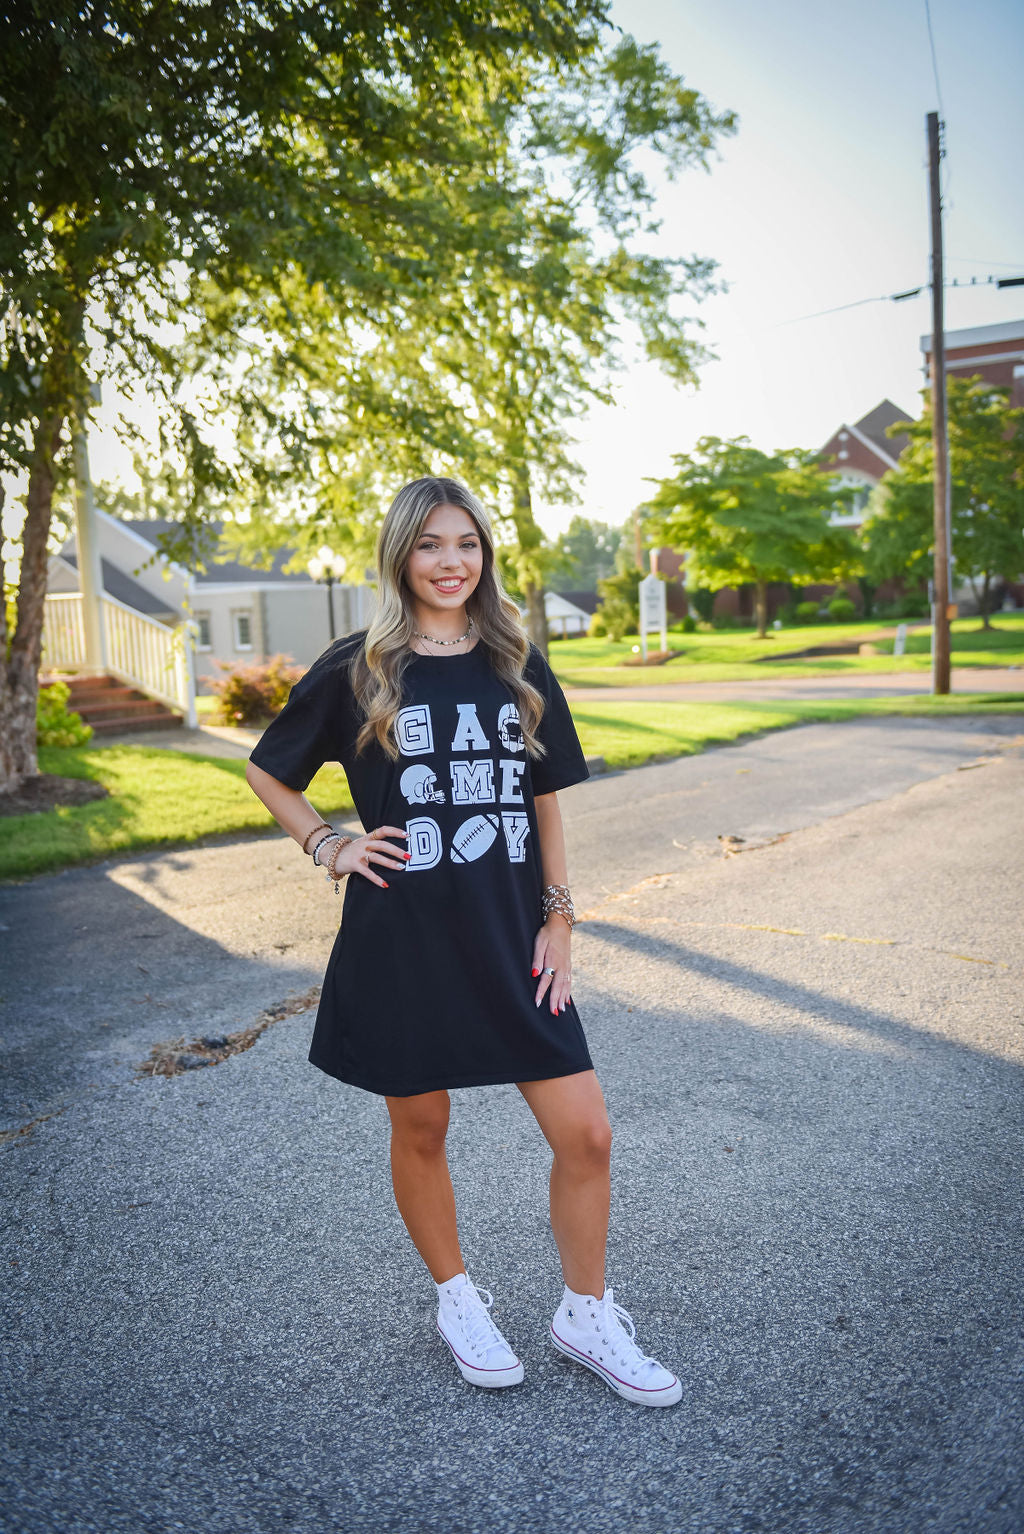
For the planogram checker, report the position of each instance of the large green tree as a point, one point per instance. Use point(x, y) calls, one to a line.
point(747, 517)
point(153, 150)
point(986, 460)
point(498, 359)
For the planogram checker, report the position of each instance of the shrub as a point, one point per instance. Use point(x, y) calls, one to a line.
point(913, 605)
point(787, 613)
point(806, 612)
point(56, 725)
point(703, 600)
point(841, 609)
point(618, 618)
point(251, 694)
point(596, 628)
point(688, 625)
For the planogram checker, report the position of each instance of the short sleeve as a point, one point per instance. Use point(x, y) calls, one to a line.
point(315, 723)
point(564, 763)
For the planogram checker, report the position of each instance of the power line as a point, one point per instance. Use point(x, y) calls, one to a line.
point(1011, 266)
point(895, 298)
point(935, 62)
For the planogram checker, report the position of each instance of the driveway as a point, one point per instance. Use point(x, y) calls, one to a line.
point(800, 972)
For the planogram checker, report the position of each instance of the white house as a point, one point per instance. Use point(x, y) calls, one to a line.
point(569, 612)
point(241, 614)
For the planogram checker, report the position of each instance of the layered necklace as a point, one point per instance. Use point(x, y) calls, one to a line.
point(461, 639)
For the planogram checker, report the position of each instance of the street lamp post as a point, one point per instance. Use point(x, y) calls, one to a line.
point(328, 567)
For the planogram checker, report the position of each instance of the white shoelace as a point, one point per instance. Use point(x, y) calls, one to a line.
point(481, 1333)
point(612, 1322)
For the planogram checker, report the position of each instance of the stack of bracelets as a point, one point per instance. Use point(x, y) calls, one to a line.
point(556, 898)
point(335, 842)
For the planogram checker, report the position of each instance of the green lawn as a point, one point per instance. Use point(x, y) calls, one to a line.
point(157, 798)
point(170, 798)
point(738, 655)
point(631, 732)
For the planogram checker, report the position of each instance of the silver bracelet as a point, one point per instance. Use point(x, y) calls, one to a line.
point(332, 837)
point(556, 898)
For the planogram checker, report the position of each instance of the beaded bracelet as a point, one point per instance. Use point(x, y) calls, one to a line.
point(327, 837)
point(556, 898)
point(332, 858)
point(323, 826)
point(330, 837)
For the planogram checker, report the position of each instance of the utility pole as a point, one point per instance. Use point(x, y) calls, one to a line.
point(941, 593)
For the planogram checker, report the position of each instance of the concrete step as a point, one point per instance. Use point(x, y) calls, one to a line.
point(136, 723)
point(131, 703)
point(113, 707)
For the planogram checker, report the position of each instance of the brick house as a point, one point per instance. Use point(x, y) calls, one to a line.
point(861, 453)
point(994, 353)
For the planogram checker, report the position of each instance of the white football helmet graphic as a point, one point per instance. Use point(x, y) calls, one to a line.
point(419, 785)
point(510, 731)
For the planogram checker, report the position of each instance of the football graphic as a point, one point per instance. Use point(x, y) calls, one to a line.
point(473, 838)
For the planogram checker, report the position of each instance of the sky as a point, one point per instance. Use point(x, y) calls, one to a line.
point(819, 200)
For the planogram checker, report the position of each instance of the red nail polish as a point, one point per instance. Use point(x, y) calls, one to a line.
point(407, 854)
point(535, 973)
point(385, 883)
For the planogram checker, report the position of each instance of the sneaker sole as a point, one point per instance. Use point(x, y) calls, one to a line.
point(488, 1379)
point(668, 1395)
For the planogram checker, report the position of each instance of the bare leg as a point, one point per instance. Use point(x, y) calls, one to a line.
point(422, 1182)
point(571, 1113)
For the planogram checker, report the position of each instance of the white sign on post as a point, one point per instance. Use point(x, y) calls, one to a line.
point(653, 611)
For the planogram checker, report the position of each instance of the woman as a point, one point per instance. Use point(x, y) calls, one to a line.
point(452, 965)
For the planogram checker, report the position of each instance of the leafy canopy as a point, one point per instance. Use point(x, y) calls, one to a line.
point(745, 516)
point(986, 458)
point(146, 145)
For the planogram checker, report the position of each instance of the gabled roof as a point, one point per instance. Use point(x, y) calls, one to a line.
point(586, 600)
point(226, 571)
point(123, 589)
point(873, 426)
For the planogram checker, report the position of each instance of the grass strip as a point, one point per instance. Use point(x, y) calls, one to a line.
point(631, 732)
point(738, 656)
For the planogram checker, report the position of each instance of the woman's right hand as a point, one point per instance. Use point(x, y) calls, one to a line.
point(363, 851)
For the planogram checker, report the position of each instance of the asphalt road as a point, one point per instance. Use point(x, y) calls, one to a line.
point(810, 1038)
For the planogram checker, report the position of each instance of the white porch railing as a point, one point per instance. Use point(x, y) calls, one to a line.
point(141, 652)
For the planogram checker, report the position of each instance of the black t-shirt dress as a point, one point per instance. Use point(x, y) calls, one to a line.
point(429, 983)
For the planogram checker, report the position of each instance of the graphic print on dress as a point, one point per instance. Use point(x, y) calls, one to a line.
point(419, 785)
point(474, 837)
point(423, 843)
point(510, 731)
point(414, 731)
point(472, 782)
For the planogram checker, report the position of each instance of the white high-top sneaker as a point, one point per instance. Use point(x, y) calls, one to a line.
point(594, 1332)
point(481, 1352)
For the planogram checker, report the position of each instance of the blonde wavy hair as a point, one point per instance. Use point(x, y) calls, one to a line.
point(378, 665)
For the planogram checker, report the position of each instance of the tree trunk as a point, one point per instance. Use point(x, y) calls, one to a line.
point(986, 593)
point(19, 678)
point(529, 536)
point(761, 608)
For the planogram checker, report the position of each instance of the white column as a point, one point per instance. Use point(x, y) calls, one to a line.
point(90, 573)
